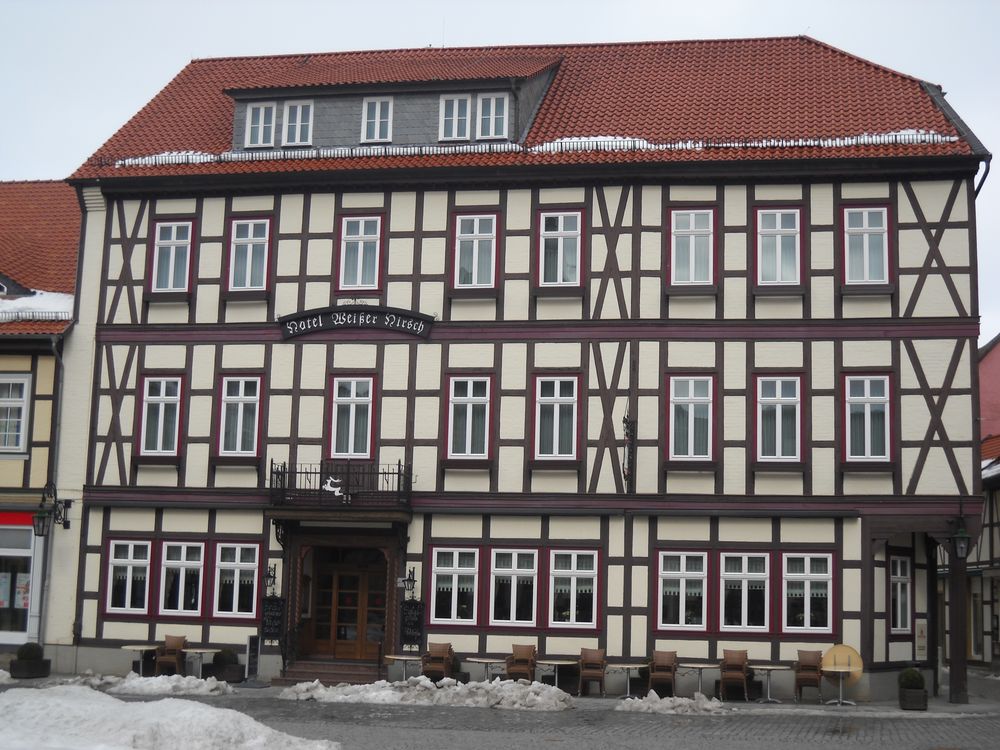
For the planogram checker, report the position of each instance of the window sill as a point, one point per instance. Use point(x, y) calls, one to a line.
point(173, 297)
point(474, 293)
point(141, 460)
point(880, 466)
point(867, 290)
point(558, 291)
point(348, 294)
point(14, 456)
point(776, 466)
point(467, 464)
point(246, 295)
point(778, 290)
point(555, 464)
point(678, 464)
point(692, 290)
point(253, 461)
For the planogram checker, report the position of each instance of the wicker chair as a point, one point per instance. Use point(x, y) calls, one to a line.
point(592, 667)
point(734, 670)
point(171, 654)
point(438, 662)
point(663, 670)
point(809, 673)
point(521, 663)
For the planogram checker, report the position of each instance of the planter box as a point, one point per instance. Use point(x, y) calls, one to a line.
point(913, 699)
point(25, 670)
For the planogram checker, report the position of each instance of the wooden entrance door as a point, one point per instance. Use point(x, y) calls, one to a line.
point(349, 612)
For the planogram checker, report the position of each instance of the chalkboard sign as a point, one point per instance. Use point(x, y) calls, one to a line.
point(412, 623)
point(272, 618)
point(253, 656)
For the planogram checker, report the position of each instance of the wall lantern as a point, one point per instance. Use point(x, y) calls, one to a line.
point(58, 511)
point(960, 541)
point(409, 583)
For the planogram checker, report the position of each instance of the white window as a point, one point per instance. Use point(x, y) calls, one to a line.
point(470, 417)
point(128, 576)
point(867, 259)
point(20, 582)
point(14, 392)
point(180, 583)
point(867, 418)
point(359, 252)
point(492, 116)
point(376, 120)
point(555, 418)
point(260, 125)
point(352, 410)
point(298, 123)
point(691, 418)
point(248, 255)
point(161, 406)
point(744, 602)
point(475, 251)
point(454, 121)
point(172, 257)
point(899, 594)
point(236, 580)
point(778, 247)
point(240, 412)
point(455, 585)
point(691, 246)
point(573, 583)
point(807, 582)
point(682, 590)
point(514, 575)
point(778, 419)
point(560, 250)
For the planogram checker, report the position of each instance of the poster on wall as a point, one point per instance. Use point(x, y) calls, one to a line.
point(22, 592)
point(4, 590)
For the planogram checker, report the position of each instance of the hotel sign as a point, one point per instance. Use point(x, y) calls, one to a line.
point(367, 317)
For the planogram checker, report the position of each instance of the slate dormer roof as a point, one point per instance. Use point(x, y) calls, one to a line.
point(722, 101)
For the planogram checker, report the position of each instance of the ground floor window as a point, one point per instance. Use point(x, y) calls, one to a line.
point(573, 585)
point(807, 592)
point(514, 587)
point(180, 585)
point(682, 590)
point(455, 585)
point(15, 578)
point(128, 577)
point(899, 594)
point(744, 592)
point(236, 579)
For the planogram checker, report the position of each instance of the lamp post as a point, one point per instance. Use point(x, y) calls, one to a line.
point(958, 680)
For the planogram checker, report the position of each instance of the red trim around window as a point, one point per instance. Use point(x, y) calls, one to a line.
point(906, 554)
point(536, 267)
point(173, 295)
point(139, 420)
point(452, 254)
point(383, 254)
point(844, 421)
point(714, 439)
point(801, 445)
point(491, 411)
point(218, 430)
point(533, 421)
point(330, 414)
point(227, 256)
point(714, 250)
point(891, 261)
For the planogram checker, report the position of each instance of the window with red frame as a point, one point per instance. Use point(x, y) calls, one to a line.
point(161, 406)
point(573, 589)
point(128, 577)
point(778, 246)
point(455, 582)
point(745, 591)
point(248, 255)
point(352, 414)
point(360, 252)
point(240, 416)
point(475, 252)
point(867, 405)
point(236, 580)
point(555, 417)
point(778, 420)
point(171, 257)
point(515, 573)
point(560, 249)
point(181, 576)
point(691, 246)
point(469, 408)
point(866, 247)
point(807, 581)
point(682, 591)
point(691, 418)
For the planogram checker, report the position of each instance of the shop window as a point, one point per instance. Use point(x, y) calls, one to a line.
point(514, 585)
point(807, 588)
point(682, 590)
point(181, 577)
point(744, 604)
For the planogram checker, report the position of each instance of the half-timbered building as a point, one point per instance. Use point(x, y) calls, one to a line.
point(635, 346)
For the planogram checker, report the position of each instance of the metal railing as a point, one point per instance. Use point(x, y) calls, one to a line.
point(341, 483)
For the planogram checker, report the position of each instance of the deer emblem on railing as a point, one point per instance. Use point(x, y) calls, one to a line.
point(332, 484)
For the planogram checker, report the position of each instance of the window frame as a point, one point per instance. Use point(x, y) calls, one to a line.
point(760, 233)
point(157, 246)
point(234, 221)
point(514, 573)
point(808, 578)
point(225, 401)
point(342, 242)
point(557, 400)
point(24, 404)
point(443, 119)
point(454, 571)
point(454, 401)
point(262, 106)
point(745, 576)
point(896, 582)
point(129, 563)
point(867, 401)
point(683, 576)
point(846, 232)
point(560, 235)
point(781, 402)
point(332, 416)
point(236, 566)
point(184, 565)
point(380, 102)
point(574, 573)
point(671, 428)
point(492, 134)
point(673, 213)
point(476, 238)
point(143, 403)
point(286, 119)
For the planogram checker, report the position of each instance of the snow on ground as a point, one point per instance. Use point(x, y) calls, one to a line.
point(74, 716)
point(133, 684)
point(653, 704)
point(4, 676)
point(511, 694)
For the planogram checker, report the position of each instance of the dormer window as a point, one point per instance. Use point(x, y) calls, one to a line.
point(455, 111)
point(492, 116)
point(376, 120)
point(298, 123)
point(260, 125)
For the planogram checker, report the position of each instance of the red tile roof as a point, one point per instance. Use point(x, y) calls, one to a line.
point(39, 234)
point(34, 328)
point(718, 94)
point(991, 447)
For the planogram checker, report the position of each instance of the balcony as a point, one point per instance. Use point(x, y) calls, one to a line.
point(348, 489)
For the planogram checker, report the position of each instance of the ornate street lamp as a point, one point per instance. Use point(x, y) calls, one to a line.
point(58, 511)
point(960, 541)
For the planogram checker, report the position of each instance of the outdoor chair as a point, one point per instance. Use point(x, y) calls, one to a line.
point(663, 670)
point(521, 663)
point(592, 667)
point(809, 673)
point(171, 654)
point(734, 670)
point(438, 662)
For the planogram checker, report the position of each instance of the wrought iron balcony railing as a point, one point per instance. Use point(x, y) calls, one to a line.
point(341, 484)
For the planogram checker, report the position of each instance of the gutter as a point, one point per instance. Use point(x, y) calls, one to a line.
point(964, 131)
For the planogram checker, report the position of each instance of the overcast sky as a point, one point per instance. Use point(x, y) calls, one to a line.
point(74, 71)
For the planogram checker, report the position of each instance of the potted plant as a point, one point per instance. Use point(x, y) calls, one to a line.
point(227, 666)
point(912, 694)
point(29, 662)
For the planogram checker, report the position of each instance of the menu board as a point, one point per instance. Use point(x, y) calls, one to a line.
point(271, 618)
point(412, 623)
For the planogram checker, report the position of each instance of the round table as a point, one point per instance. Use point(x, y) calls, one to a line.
point(699, 667)
point(201, 657)
point(405, 658)
point(841, 670)
point(555, 664)
point(628, 667)
point(141, 649)
point(488, 665)
point(767, 669)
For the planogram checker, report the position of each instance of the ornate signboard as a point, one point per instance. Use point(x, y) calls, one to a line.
point(371, 317)
point(411, 630)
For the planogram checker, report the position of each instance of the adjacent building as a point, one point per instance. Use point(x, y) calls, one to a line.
point(632, 346)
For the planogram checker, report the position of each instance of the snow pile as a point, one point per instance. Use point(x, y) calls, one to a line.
point(88, 720)
point(653, 704)
point(4, 676)
point(38, 306)
point(133, 684)
point(987, 676)
point(504, 694)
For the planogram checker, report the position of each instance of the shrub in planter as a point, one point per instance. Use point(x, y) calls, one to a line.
point(912, 695)
point(30, 662)
point(227, 666)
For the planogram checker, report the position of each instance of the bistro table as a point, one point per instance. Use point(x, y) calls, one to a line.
point(201, 657)
point(555, 664)
point(628, 667)
point(841, 670)
point(767, 669)
point(488, 664)
point(699, 667)
point(141, 649)
point(405, 658)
